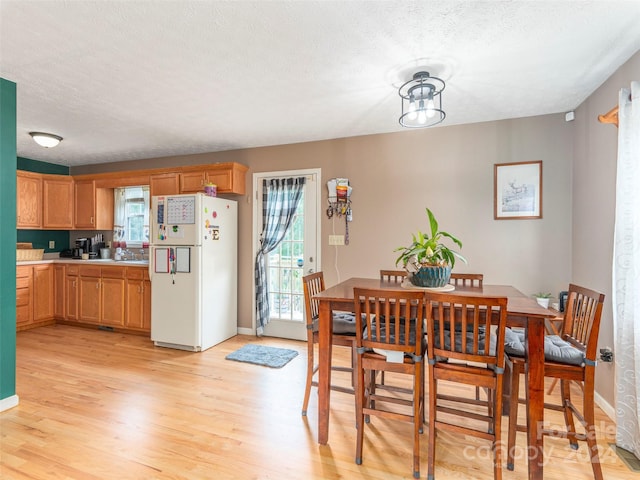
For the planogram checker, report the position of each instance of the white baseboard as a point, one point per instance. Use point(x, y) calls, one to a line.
point(246, 331)
point(9, 402)
point(605, 406)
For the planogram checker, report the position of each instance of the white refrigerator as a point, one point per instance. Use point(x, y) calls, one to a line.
point(193, 268)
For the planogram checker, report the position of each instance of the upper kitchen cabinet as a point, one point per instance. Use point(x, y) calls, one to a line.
point(164, 184)
point(57, 204)
point(191, 182)
point(228, 178)
point(93, 207)
point(28, 200)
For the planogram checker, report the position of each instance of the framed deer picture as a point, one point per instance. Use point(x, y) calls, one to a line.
point(517, 190)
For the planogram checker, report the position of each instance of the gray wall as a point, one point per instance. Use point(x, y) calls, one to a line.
point(450, 170)
point(593, 199)
point(396, 176)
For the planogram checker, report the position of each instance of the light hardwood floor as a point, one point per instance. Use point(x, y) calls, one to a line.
point(102, 405)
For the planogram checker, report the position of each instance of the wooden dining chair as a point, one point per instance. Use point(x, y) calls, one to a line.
point(389, 323)
point(394, 276)
point(461, 349)
point(466, 279)
point(344, 329)
point(570, 356)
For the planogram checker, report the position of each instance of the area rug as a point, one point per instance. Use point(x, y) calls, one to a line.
point(260, 355)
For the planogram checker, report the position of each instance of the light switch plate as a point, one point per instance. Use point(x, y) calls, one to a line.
point(52, 244)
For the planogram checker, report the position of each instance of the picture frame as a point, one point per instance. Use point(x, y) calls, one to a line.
point(517, 190)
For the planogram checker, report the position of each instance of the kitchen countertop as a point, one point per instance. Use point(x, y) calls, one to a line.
point(95, 261)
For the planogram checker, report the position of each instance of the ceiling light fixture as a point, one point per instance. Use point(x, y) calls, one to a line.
point(47, 140)
point(421, 101)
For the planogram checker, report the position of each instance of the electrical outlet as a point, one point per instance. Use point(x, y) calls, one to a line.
point(52, 244)
point(336, 239)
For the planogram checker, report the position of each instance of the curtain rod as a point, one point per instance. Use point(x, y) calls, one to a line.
point(612, 115)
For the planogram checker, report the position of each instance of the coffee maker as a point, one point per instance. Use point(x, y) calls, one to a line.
point(83, 245)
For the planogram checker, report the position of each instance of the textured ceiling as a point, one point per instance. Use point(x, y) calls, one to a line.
point(124, 80)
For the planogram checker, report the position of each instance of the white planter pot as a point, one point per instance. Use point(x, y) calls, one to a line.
point(543, 302)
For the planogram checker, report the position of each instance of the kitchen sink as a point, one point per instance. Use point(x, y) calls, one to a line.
point(134, 262)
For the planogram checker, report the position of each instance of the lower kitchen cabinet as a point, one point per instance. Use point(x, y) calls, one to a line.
point(71, 290)
point(89, 298)
point(138, 304)
point(59, 291)
point(112, 295)
point(42, 292)
point(34, 295)
point(24, 296)
point(101, 296)
point(117, 296)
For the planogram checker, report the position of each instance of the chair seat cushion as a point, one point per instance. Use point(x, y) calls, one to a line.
point(344, 323)
point(555, 348)
point(458, 340)
point(388, 327)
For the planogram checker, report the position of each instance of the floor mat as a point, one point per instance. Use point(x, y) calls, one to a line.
point(260, 355)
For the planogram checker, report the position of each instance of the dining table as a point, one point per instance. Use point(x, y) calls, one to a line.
point(522, 311)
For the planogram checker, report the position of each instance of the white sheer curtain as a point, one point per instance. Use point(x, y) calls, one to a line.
point(626, 272)
point(119, 214)
point(147, 205)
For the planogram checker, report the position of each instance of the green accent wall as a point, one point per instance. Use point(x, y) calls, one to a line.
point(41, 167)
point(8, 161)
point(41, 238)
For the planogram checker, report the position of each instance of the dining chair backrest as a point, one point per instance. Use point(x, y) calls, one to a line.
point(312, 284)
point(459, 326)
point(389, 319)
point(582, 319)
point(395, 276)
point(467, 279)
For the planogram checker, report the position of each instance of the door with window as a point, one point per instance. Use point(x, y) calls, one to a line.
point(296, 256)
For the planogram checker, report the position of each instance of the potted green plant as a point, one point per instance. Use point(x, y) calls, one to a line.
point(427, 260)
point(543, 299)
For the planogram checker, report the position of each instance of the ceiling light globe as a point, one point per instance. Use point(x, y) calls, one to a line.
point(46, 140)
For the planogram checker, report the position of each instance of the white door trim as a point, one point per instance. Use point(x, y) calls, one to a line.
point(257, 212)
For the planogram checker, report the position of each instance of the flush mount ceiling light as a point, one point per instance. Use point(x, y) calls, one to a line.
point(47, 140)
point(421, 101)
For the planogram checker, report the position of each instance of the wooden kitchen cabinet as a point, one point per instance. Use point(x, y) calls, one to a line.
point(34, 296)
point(89, 297)
point(59, 290)
point(164, 184)
point(101, 295)
point(228, 178)
point(192, 182)
point(112, 292)
point(28, 200)
point(72, 292)
point(24, 296)
point(138, 303)
point(57, 202)
point(93, 207)
point(43, 291)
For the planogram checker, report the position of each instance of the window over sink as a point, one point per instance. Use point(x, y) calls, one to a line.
point(131, 216)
